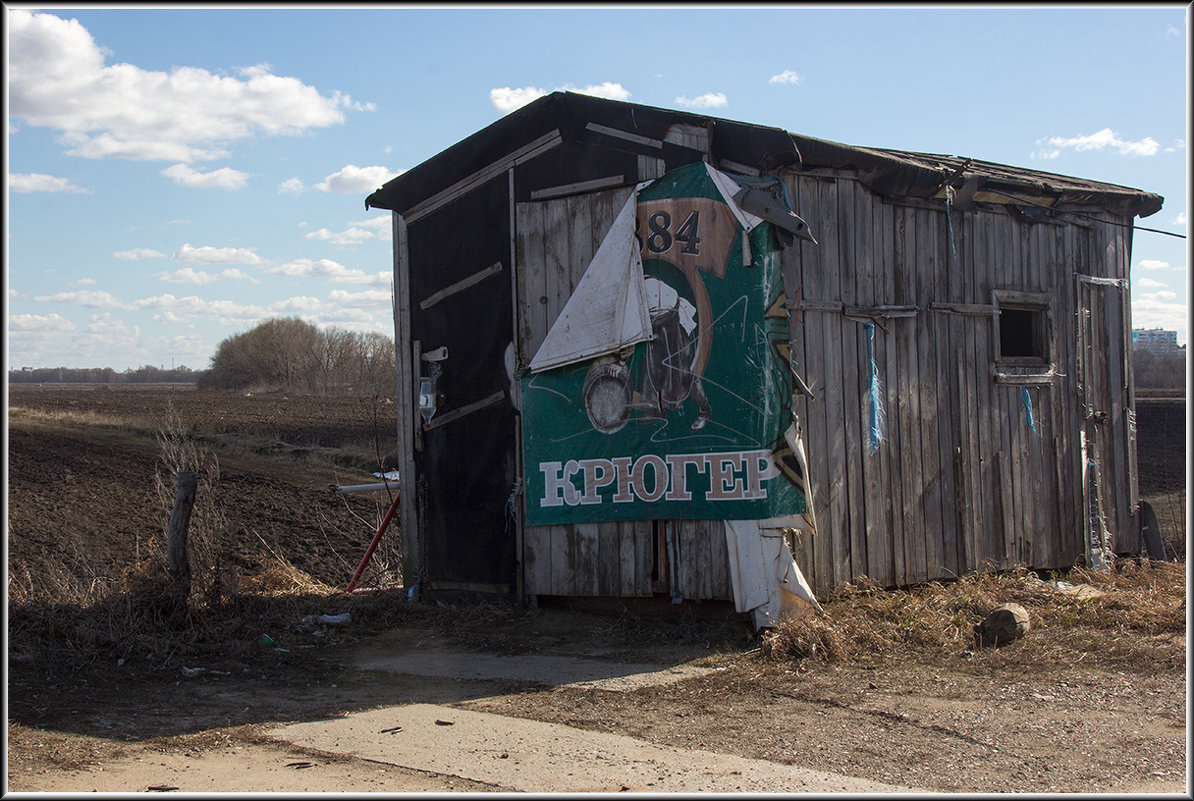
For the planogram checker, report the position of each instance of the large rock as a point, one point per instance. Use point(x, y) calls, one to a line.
point(1005, 623)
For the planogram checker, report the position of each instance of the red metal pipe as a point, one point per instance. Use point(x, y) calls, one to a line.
point(376, 539)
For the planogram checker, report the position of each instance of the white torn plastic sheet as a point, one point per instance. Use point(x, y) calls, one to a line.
point(765, 578)
point(608, 309)
point(728, 188)
point(796, 443)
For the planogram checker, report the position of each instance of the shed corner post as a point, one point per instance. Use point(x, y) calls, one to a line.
point(405, 408)
point(517, 511)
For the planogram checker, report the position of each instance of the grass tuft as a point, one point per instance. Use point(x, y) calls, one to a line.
point(1135, 615)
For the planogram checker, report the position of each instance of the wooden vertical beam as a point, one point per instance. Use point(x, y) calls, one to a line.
point(515, 397)
point(406, 408)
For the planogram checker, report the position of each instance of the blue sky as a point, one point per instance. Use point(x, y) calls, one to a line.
point(175, 175)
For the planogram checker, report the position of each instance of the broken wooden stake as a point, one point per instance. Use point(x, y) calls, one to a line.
point(178, 560)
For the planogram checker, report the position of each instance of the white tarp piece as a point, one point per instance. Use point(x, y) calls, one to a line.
point(608, 309)
point(766, 580)
point(796, 443)
point(728, 188)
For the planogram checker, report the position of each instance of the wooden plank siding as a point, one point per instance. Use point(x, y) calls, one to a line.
point(960, 482)
point(555, 241)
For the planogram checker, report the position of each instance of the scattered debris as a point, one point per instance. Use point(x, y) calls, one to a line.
point(443, 722)
point(186, 671)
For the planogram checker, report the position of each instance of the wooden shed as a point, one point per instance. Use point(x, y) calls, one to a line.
point(954, 375)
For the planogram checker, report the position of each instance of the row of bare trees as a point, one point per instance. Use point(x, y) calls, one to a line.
point(146, 374)
point(1159, 370)
point(293, 355)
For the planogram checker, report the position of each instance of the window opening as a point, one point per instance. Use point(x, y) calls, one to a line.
point(1023, 329)
point(1022, 334)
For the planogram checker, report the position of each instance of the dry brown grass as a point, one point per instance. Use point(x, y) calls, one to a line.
point(81, 418)
point(1133, 615)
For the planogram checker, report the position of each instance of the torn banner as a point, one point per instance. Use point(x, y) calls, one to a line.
point(663, 390)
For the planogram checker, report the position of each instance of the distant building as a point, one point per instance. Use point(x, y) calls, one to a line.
point(1155, 340)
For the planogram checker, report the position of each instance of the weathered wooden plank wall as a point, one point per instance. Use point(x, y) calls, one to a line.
point(960, 482)
point(555, 240)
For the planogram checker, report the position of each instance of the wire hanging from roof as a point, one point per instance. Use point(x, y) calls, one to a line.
point(1084, 216)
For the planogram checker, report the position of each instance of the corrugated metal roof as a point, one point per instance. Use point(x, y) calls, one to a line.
point(891, 173)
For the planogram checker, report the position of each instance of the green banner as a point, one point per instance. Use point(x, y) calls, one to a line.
point(692, 423)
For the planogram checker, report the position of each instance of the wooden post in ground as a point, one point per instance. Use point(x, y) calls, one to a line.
point(178, 560)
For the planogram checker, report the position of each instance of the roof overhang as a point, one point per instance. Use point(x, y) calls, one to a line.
point(893, 174)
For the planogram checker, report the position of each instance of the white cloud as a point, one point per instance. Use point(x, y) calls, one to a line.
point(84, 282)
point(105, 325)
point(1147, 283)
point(1163, 309)
point(138, 253)
point(1100, 140)
point(300, 303)
point(506, 99)
point(608, 90)
point(351, 236)
point(191, 304)
point(331, 270)
point(292, 186)
point(355, 180)
point(1152, 264)
point(187, 275)
point(39, 322)
point(1180, 219)
point(787, 76)
point(708, 100)
point(37, 182)
point(1172, 30)
point(379, 299)
point(57, 79)
point(223, 178)
point(209, 255)
point(97, 299)
point(381, 223)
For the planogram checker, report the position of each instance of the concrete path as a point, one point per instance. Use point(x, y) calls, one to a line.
point(520, 755)
point(547, 669)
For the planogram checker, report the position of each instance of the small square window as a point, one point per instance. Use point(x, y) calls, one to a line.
point(1022, 333)
point(1023, 329)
